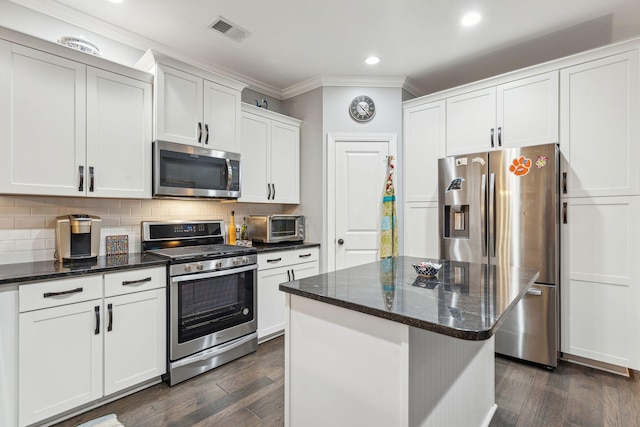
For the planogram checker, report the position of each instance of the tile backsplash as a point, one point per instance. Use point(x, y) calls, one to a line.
point(27, 223)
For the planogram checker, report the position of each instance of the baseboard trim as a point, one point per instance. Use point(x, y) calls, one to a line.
point(607, 367)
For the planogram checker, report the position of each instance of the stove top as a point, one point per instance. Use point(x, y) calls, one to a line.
point(203, 251)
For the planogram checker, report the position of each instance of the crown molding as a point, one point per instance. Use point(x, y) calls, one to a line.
point(351, 81)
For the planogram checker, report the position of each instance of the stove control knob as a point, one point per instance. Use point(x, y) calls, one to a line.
point(187, 267)
point(199, 266)
point(219, 264)
point(245, 311)
point(245, 260)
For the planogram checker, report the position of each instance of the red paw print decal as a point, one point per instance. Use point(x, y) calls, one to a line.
point(521, 166)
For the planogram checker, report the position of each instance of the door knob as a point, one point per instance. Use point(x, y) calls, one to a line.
point(340, 241)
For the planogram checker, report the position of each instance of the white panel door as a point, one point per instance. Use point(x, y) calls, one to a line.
point(285, 162)
point(601, 280)
point(256, 133)
point(600, 125)
point(179, 98)
point(424, 143)
point(42, 125)
point(471, 119)
point(60, 359)
point(221, 118)
point(421, 237)
point(360, 172)
point(119, 131)
point(527, 111)
point(134, 339)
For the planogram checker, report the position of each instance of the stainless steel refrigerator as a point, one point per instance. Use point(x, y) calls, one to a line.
point(502, 207)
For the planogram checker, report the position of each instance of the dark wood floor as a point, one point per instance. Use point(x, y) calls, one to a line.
point(250, 392)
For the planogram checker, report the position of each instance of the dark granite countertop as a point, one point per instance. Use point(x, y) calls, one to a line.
point(284, 246)
point(465, 300)
point(51, 270)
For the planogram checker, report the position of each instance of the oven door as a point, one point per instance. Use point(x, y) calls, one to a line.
point(210, 308)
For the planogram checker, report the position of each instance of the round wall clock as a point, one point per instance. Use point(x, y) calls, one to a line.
point(362, 108)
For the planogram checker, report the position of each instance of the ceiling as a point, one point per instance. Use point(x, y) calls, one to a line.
point(295, 41)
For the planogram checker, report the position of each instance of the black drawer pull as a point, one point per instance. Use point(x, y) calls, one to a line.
point(97, 310)
point(57, 294)
point(133, 282)
point(304, 256)
point(274, 260)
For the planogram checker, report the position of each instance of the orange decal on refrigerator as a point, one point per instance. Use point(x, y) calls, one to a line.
point(521, 166)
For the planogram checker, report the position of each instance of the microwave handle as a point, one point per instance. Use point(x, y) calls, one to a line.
point(229, 174)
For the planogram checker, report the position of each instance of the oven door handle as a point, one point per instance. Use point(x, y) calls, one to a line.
point(217, 273)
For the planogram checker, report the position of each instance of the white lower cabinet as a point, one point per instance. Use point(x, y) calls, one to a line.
point(600, 289)
point(275, 268)
point(9, 355)
point(76, 346)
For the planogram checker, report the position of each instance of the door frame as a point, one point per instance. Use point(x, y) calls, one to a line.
point(332, 139)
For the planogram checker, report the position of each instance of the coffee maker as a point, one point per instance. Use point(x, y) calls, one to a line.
point(77, 237)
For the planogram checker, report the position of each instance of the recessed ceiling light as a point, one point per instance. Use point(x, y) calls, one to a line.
point(470, 19)
point(372, 60)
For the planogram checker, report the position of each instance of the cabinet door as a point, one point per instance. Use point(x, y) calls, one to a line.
point(221, 117)
point(60, 359)
point(307, 269)
point(134, 339)
point(600, 289)
point(421, 238)
point(285, 163)
point(471, 119)
point(42, 122)
point(9, 356)
point(118, 136)
point(179, 98)
point(255, 142)
point(271, 309)
point(424, 143)
point(527, 111)
point(600, 129)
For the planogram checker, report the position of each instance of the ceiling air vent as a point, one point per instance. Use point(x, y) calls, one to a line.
point(229, 29)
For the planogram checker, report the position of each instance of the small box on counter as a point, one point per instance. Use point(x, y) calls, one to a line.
point(118, 245)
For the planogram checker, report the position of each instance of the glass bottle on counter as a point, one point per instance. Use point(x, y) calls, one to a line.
point(231, 239)
point(243, 229)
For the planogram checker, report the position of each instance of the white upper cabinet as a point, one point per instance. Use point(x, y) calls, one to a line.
point(515, 114)
point(68, 129)
point(270, 157)
point(600, 122)
point(424, 142)
point(193, 108)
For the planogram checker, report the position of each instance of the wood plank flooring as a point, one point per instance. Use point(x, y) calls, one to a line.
point(250, 392)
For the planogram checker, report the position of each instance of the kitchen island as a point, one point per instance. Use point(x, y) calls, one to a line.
point(377, 345)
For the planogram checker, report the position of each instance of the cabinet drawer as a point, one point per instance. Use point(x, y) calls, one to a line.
point(35, 296)
point(286, 258)
point(126, 282)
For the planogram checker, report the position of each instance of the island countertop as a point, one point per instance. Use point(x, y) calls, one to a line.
point(465, 300)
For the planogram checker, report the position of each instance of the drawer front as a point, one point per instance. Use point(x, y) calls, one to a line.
point(35, 296)
point(286, 258)
point(129, 281)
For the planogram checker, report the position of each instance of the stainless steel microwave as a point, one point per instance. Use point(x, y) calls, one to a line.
point(188, 171)
point(276, 228)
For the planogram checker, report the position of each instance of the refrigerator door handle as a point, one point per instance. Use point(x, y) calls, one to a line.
point(492, 215)
point(483, 214)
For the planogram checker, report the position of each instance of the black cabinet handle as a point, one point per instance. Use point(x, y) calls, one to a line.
point(274, 260)
point(273, 197)
point(564, 183)
point(206, 138)
point(304, 256)
point(97, 310)
point(57, 294)
point(81, 173)
point(91, 178)
point(564, 213)
point(499, 137)
point(269, 190)
point(199, 132)
point(288, 275)
point(110, 310)
point(133, 282)
point(293, 274)
point(492, 143)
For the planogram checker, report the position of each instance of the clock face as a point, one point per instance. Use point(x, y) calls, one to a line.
point(362, 108)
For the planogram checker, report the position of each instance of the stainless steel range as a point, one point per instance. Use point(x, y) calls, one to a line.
point(212, 295)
